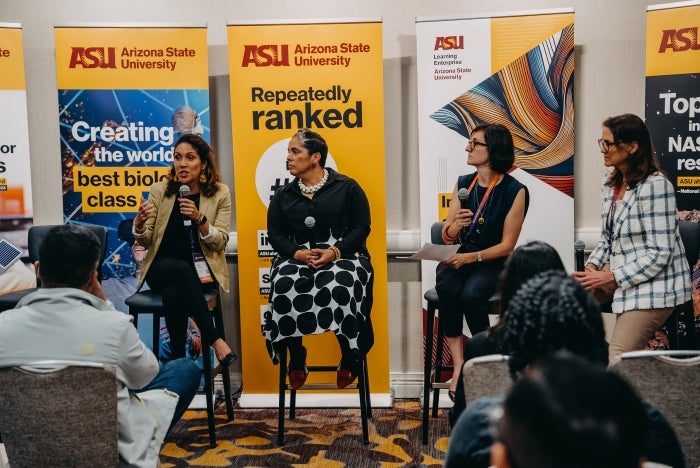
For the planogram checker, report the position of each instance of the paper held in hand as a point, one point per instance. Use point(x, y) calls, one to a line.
point(434, 252)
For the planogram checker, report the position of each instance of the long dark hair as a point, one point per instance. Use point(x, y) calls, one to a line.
point(522, 264)
point(628, 128)
point(211, 171)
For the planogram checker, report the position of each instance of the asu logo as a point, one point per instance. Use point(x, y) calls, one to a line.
point(679, 40)
point(266, 55)
point(93, 57)
point(449, 42)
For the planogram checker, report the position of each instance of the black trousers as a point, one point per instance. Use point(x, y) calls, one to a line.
point(183, 297)
point(466, 292)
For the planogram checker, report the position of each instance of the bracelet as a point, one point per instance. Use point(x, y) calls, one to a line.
point(446, 238)
point(335, 250)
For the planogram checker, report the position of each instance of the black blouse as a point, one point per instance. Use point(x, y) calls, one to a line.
point(340, 209)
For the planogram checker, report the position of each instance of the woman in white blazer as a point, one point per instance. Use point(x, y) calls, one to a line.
point(639, 263)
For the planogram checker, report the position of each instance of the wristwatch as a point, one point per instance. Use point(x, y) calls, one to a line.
point(479, 258)
point(202, 221)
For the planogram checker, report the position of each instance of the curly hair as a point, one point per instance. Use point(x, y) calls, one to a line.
point(551, 311)
point(206, 154)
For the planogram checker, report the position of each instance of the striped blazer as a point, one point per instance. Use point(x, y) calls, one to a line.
point(644, 247)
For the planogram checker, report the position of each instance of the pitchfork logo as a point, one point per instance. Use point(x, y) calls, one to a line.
point(266, 55)
point(93, 57)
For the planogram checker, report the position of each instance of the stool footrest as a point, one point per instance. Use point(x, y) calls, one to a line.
point(322, 368)
point(322, 386)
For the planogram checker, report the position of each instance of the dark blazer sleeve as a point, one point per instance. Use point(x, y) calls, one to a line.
point(358, 225)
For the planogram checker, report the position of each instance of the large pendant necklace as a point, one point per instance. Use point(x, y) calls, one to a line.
point(314, 188)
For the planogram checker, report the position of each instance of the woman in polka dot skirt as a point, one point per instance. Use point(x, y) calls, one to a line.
point(321, 279)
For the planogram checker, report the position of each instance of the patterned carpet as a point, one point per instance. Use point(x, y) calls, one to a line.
point(317, 437)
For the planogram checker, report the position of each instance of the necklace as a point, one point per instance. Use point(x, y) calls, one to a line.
point(314, 188)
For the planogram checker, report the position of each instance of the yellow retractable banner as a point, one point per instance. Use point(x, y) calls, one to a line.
point(326, 76)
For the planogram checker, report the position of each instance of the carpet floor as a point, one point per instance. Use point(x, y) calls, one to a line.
point(320, 437)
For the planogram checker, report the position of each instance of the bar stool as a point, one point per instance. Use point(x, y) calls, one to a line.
point(432, 369)
point(150, 302)
point(362, 386)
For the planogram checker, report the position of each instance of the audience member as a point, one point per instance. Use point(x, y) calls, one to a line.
point(68, 318)
point(550, 312)
point(568, 412)
point(525, 262)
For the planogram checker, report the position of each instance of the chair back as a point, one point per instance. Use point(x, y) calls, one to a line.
point(486, 376)
point(436, 232)
point(668, 380)
point(59, 413)
point(690, 235)
point(37, 234)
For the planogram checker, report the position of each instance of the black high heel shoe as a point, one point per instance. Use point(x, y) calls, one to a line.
point(224, 362)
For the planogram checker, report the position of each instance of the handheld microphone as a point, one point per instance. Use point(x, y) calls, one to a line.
point(310, 223)
point(578, 254)
point(463, 194)
point(184, 191)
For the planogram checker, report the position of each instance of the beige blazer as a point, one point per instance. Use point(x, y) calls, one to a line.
point(217, 209)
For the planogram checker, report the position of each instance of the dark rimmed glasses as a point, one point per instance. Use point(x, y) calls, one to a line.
point(605, 145)
point(472, 143)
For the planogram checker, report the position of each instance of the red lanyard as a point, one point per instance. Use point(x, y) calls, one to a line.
point(483, 200)
point(613, 208)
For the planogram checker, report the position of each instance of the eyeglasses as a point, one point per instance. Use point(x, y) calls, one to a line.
point(605, 145)
point(472, 143)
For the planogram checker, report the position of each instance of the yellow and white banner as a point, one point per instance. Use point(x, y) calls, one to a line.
point(326, 76)
point(673, 95)
point(15, 175)
point(125, 94)
point(515, 69)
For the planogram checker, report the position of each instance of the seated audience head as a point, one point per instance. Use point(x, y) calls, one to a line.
point(568, 412)
point(526, 261)
point(551, 311)
point(68, 257)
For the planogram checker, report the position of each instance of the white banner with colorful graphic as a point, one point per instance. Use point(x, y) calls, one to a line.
point(673, 96)
point(326, 76)
point(15, 175)
point(515, 69)
point(125, 93)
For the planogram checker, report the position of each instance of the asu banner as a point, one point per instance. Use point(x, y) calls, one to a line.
point(673, 95)
point(15, 176)
point(125, 94)
point(326, 77)
point(514, 69)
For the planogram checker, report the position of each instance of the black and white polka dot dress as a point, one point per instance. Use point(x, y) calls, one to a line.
point(338, 297)
point(305, 301)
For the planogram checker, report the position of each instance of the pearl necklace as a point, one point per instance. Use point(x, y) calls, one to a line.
point(314, 188)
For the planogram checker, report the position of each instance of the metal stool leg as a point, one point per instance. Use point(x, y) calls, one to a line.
point(427, 368)
point(364, 397)
point(282, 390)
point(438, 368)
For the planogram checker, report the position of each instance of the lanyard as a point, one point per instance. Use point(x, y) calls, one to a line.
point(483, 200)
point(613, 207)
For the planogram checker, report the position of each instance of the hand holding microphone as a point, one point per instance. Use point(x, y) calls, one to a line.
point(185, 205)
point(464, 215)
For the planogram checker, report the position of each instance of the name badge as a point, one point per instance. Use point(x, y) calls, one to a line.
point(201, 267)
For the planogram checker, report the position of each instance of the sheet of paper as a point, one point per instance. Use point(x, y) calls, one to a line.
point(434, 252)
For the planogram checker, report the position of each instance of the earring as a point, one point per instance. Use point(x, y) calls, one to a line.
point(202, 178)
point(174, 178)
point(313, 165)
